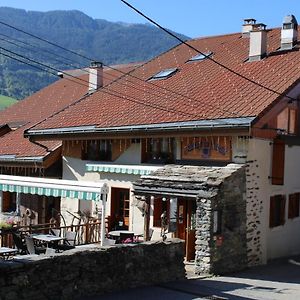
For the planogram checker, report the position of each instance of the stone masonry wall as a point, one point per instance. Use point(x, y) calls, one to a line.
point(75, 273)
point(224, 251)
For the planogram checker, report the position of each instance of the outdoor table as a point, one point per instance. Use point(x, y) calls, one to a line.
point(47, 238)
point(6, 252)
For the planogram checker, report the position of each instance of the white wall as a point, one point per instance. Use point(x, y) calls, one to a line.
point(74, 169)
point(282, 240)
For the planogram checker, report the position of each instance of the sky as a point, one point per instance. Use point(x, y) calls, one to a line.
point(193, 18)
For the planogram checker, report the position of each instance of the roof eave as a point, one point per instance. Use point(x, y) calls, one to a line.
point(230, 123)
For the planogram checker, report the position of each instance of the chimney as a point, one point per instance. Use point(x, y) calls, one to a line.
point(258, 42)
point(95, 76)
point(289, 32)
point(247, 27)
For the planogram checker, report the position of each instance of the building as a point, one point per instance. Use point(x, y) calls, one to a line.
point(22, 157)
point(211, 140)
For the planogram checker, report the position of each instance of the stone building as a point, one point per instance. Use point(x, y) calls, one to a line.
point(233, 101)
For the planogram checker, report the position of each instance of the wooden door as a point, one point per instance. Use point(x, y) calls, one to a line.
point(119, 208)
point(191, 230)
point(186, 210)
point(181, 219)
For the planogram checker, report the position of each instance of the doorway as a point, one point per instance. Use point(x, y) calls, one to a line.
point(186, 225)
point(119, 209)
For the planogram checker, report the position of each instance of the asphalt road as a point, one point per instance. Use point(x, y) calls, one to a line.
point(279, 279)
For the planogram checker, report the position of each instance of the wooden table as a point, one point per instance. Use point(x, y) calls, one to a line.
point(6, 252)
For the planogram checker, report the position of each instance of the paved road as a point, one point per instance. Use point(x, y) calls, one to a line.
point(278, 280)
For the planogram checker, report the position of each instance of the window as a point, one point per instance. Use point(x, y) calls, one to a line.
point(200, 56)
point(277, 210)
point(158, 150)
point(98, 151)
point(164, 74)
point(9, 202)
point(278, 162)
point(293, 211)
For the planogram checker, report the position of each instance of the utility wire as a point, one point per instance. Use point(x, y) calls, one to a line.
point(38, 49)
point(205, 55)
point(115, 69)
point(44, 40)
point(106, 90)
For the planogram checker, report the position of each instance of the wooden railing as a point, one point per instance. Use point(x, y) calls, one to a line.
point(85, 233)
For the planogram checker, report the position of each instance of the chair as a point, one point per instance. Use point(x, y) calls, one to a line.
point(55, 231)
point(50, 251)
point(19, 243)
point(126, 237)
point(31, 248)
point(71, 238)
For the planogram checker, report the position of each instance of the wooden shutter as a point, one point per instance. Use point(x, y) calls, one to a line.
point(282, 210)
point(293, 209)
point(278, 162)
point(277, 211)
point(5, 201)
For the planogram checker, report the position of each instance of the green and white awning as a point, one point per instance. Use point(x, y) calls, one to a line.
point(83, 190)
point(121, 169)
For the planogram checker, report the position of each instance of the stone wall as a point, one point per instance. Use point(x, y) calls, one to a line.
point(221, 249)
point(77, 273)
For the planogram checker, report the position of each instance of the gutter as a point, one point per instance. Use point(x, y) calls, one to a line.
point(230, 123)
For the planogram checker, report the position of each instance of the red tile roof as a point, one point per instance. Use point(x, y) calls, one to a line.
point(42, 104)
point(201, 90)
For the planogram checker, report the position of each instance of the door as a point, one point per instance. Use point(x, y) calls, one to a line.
point(119, 208)
point(186, 211)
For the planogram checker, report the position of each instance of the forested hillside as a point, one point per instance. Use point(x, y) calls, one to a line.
point(111, 43)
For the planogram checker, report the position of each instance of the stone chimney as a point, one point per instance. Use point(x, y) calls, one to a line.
point(289, 32)
point(95, 76)
point(258, 42)
point(247, 27)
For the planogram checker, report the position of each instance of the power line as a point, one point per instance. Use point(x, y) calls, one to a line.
point(124, 73)
point(106, 91)
point(38, 49)
point(205, 55)
point(44, 40)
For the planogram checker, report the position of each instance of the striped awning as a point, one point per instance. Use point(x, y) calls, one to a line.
point(83, 190)
point(122, 169)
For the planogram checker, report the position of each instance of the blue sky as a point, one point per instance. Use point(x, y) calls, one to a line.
point(191, 17)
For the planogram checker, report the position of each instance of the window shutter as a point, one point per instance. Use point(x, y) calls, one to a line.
point(272, 212)
point(278, 162)
point(282, 210)
point(293, 209)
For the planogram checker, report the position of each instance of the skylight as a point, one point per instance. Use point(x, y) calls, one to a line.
point(200, 56)
point(164, 74)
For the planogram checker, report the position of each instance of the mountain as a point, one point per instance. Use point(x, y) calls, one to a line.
point(109, 42)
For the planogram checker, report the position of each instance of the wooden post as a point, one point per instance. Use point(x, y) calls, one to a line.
point(146, 219)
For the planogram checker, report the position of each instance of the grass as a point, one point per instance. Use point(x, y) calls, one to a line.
point(6, 101)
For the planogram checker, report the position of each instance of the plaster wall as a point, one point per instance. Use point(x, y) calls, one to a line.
point(74, 169)
point(263, 242)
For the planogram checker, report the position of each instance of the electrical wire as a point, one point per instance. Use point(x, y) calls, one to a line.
point(106, 91)
point(205, 55)
point(128, 73)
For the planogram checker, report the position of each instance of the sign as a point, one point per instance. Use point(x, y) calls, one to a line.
point(206, 148)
